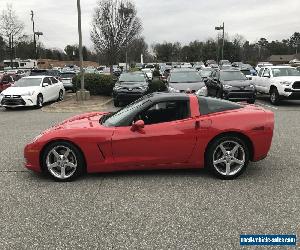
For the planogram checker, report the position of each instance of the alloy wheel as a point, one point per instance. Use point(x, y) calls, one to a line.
point(229, 158)
point(61, 162)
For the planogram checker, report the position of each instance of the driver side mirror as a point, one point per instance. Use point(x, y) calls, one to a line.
point(138, 125)
point(267, 76)
point(45, 84)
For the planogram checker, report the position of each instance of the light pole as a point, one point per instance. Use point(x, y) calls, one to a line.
point(222, 28)
point(82, 94)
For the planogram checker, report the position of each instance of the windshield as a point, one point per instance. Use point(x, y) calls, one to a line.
point(285, 72)
point(246, 72)
point(124, 115)
point(232, 76)
point(67, 75)
point(28, 82)
point(132, 78)
point(179, 77)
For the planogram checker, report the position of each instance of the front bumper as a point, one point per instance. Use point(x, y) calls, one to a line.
point(239, 95)
point(17, 101)
point(31, 156)
point(291, 94)
point(128, 96)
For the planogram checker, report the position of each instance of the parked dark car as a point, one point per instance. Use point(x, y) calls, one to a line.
point(185, 80)
point(232, 85)
point(38, 72)
point(130, 87)
point(6, 81)
point(67, 80)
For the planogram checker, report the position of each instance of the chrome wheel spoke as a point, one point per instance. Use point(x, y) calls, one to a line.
point(66, 154)
point(235, 149)
point(53, 165)
point(63, 172)
point(223, 149)
point(57, 155)
point(71, 165)
point(227, 168)
point(240, 162)
point(221, 160)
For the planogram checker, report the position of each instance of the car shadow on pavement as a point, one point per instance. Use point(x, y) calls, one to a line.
point(283, 103)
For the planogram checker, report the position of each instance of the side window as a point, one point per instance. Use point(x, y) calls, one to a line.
point(209, 105)
point(53, 80)
point(266, 73)
point(260, 72)
point(165, 112)
point(47, 80)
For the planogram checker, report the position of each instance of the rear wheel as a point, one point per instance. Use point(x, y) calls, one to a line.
point(39, 101)
point(227, 157)
point(63, 161)
point(274, 96)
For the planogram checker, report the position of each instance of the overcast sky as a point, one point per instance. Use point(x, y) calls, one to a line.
point(168, 20)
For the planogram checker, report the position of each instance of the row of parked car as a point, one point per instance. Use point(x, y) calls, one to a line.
point(232, 83)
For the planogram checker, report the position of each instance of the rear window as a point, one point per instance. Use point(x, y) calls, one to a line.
point(208, 105)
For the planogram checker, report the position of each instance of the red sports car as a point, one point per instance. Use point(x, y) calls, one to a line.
point(158, 131)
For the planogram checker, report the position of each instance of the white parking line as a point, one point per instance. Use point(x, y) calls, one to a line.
point(265, 105)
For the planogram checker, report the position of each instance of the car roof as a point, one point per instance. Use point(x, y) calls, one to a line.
point(40, 76)
point(165, 96)
point(281, 67)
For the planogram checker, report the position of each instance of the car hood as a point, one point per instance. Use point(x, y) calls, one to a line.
point(183, 86)
point(287, 78)
point(87, 120)
point(239, 83)
point(20, 90)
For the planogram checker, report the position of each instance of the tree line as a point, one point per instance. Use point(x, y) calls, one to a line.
point(116, 35)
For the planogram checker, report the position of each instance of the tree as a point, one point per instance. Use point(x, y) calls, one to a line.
point(10, 28)
point(115, 26)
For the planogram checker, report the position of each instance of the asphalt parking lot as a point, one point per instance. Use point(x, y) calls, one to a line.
point(146, 210)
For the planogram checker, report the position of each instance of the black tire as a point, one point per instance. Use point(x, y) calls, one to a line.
point(252, 101)
point(74, 90)
point(274, 96)
point(60, 95)
point(80, 168)
point(213, 150)
point(39, 101)
point(8, 108)
point(116, 103)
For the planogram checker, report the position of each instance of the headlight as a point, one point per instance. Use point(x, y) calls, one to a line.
point(252, 86)
point(172, 90)
point(286, 83)
point(1, 94)
point(143, 88)
point(202, 91)
point(226, 86)
point(117, 87)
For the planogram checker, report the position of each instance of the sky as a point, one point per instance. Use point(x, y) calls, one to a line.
point(166, 20)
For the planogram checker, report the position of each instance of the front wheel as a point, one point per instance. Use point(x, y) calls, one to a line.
point(60, 96)
point(39, 101)
point(63, 161)
point(274, 96)
point(227, 157)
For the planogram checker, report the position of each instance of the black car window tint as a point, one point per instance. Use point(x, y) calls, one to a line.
point(213, 105)
point(260, 72)
point(165, 112)
point(54, 80)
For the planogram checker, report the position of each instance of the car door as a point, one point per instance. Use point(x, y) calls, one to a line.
point(55, 88)
point(165, 138)
point(46, 89)
point(265, 80)
point(258, 80)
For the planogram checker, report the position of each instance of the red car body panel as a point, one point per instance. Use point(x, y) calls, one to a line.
point(170, 145)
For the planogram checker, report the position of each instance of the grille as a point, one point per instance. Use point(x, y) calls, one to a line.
point(296, 85)
point(12, 101)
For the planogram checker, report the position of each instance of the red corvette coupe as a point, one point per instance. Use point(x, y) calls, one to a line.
point(158, 131)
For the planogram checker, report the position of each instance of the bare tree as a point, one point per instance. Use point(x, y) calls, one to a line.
point(115, 26)
point(11, 29)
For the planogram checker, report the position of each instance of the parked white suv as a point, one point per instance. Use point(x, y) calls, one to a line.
point(32, 91)
point(280, 82)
